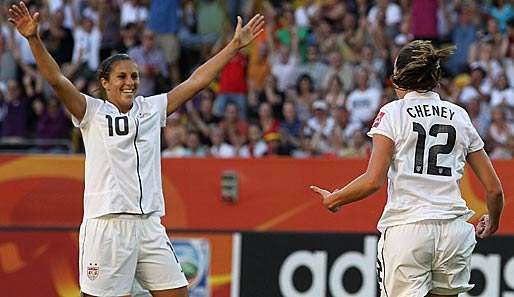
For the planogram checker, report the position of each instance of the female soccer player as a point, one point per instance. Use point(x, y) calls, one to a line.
point(421, 144)
point(121, 237)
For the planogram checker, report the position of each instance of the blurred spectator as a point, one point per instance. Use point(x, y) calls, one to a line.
point(256, 147)
point(109, 24)
point(391, 10)
point(193, 146)
point(305, 12)
point(503, 95)
point(373, 65)
point(174, 137)
point(259, 68)
point(477, 89)
point(274, 145)
point(128, 38)
point(232, 81)
point(86, 50)
point(320, 127)
point(462, 36)
point(358, 146)
point(233, 127)
point(219, 148)
point(202, 117)
point(334, 94)
point(501, 133)
point(59, 39)
point(343, 128)
point(481, 120)
point(363, 102)
point(502, 12)
point(267, 122)
point(15, 125)
point(211, 18)
point(284, 60)
point(133, 11)
point(424, 19)
point(69, 8)
point(291, 127)
point(152, 65)
point(344, 70)
point(314, 67)
point(305, 96)
point(53, 124)
point(8, 62)
point(165, 23)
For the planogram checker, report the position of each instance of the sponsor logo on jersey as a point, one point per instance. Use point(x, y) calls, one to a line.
point(92, 271)
point(377, 120)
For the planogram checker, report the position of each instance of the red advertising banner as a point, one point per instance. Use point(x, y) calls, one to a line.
point(273, 194)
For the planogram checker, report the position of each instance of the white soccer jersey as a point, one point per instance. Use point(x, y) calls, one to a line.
point(123, 165)
point(432, 138)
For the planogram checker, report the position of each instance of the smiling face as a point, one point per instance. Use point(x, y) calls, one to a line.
point(122, 84)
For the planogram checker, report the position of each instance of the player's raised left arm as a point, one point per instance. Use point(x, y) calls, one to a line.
point(366, 184)
point(206, 73)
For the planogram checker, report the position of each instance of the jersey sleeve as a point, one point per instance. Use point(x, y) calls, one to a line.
point(92, 105)
point(383, 123)
point(475, 141)
point(161, 102)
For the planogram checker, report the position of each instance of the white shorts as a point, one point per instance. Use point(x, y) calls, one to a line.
point(117, 250)
point(431, 256)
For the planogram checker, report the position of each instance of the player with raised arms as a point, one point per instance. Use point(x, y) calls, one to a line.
point(421, 144)
point(121, 237)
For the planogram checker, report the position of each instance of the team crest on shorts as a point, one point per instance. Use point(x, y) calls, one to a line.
point(92, 271)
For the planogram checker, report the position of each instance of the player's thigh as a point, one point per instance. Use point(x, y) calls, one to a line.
point(452, 268)
point(107, 257)
point(405, 254)
point(158, 268)
point(178, 292)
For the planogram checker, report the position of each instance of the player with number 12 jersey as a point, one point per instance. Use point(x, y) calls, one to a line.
point(432, 138)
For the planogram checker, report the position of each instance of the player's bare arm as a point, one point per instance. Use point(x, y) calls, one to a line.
point(366, 184)
point(27, 25)
point(481, 165)
point(203, 76)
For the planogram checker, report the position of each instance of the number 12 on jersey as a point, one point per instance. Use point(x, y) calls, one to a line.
point(434, 150)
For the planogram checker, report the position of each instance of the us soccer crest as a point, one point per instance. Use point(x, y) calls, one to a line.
point(92, 271)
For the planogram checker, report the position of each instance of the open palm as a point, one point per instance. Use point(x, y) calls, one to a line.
point(25, 23)
point(244, 35)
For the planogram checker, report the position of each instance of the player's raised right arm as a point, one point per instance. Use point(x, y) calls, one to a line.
point(27, 25)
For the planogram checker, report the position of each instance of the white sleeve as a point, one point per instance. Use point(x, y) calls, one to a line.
point(92, 105)
point(383, 124)
point(475, 141)
point(161, 102)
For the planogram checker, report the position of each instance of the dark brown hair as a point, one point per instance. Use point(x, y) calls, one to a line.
point(104, 70)
point(418, 65)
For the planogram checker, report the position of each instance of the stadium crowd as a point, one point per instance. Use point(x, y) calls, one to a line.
point(309, 86)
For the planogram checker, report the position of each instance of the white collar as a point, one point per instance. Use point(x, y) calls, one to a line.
point(424, 95)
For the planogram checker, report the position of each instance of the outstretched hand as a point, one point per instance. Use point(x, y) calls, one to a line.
point(244, 35)
point(325, 195)
point(24, 22)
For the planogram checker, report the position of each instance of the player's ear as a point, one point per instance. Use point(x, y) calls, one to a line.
point(104, 83)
